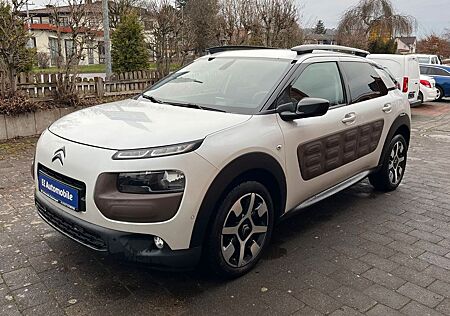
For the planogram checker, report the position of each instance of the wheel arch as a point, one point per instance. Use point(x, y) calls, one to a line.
point(256, 166)
point(402, 126)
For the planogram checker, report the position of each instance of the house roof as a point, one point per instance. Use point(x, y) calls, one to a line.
point(94, 7)
point(408, 40)
point(330, 34)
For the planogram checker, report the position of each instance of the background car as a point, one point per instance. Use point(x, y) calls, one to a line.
point(405, 69)
point(441, 74)
point(429, 59)
point(428, 91)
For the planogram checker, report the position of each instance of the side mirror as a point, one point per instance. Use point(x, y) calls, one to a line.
point(307, 107)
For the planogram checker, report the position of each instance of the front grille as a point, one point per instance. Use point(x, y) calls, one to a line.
point(71, 229)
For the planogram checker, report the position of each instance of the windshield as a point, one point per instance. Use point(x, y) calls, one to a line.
point(237, 85)
point(424, 60)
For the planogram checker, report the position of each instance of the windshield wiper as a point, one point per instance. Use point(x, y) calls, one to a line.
point(152, 98)
point(193, 106)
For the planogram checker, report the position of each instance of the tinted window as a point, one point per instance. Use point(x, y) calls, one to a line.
point(424, 70)
point(438, 72)
point(387, 78)
point(364, 82)
point(320, 80)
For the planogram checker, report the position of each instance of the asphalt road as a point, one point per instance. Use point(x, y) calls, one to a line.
point(358, 252)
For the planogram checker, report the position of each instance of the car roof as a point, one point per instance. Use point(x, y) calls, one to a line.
point(286, 54)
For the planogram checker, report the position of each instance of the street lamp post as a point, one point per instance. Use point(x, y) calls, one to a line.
point(106, 38)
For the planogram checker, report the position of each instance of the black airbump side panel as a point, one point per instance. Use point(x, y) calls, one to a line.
point(333, 151)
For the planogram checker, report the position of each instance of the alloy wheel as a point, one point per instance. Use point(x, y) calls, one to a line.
point(397, 162)
point(244, 230)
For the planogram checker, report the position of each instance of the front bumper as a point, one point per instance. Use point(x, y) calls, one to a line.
point(130, 246)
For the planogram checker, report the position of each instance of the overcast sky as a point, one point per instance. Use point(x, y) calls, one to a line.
point(431, 15)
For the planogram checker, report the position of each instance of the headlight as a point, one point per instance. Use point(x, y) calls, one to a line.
point(145, 182)
point(157, 151)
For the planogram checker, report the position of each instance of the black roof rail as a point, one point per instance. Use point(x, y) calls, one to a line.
point(306, 49)
point(219, 49)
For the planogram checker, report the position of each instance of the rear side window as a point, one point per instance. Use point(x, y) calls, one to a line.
point(424, 70)
point(387, 79)
point(438, 72)
point(363, 81)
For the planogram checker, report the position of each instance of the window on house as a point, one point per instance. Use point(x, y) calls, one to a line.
point(101, 52)
point(70, 49)
point(31, 42)
point(53, 45)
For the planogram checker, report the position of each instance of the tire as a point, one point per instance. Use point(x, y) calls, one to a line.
point(390, 175)
point(440, 94)
point(233, 230)
point(421, 97)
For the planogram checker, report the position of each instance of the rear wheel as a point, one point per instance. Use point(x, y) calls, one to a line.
point(420, 97)
point(440, 94)
point(390, 175)
point(241, 231)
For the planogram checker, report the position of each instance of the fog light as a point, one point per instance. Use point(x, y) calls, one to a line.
point(159, 243)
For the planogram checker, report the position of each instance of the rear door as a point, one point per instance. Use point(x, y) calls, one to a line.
point(413, 74)
point(375, 105)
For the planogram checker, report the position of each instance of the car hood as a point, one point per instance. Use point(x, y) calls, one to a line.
point(132, 124)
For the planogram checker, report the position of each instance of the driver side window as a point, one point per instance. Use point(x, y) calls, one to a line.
point(319, 80)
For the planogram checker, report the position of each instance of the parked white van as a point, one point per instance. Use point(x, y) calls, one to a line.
point(428, 59)
point(405, 69)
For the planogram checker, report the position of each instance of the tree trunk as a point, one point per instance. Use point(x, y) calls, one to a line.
point(12, 80)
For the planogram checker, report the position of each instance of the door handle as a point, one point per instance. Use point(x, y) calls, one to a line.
point(387, 108)
point(349, 118)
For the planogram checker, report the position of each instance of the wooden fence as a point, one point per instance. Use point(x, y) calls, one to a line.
point(40, 86)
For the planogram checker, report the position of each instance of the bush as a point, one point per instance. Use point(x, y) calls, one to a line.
point(18, 104)
point(43, 60)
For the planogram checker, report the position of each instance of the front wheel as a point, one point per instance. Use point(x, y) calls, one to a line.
point(390, 175)
point(241, 230)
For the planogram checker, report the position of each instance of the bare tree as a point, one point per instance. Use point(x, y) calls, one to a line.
point(372, 19)
point(119, 8)
point(201, 24)
point(276, 16)
point(164, 33)
point(14, 54)
point(76, 30)
point(262, 22)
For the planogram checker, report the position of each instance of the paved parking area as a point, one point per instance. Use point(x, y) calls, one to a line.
point(356, 252)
